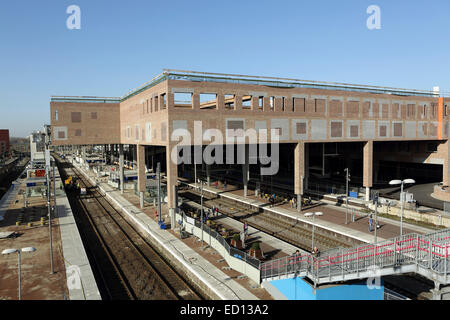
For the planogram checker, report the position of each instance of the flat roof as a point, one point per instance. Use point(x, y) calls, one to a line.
point(197, 76)
point(186, 75)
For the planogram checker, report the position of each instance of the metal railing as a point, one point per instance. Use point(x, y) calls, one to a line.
point(428, 252)
point(234, 252)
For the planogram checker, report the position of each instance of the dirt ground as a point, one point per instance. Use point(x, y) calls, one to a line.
point(37, 282)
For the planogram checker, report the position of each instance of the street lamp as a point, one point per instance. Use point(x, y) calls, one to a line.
point(201, 203)
point(8, 251)
point(312, 214)
point(401, 182)
point(347, 179)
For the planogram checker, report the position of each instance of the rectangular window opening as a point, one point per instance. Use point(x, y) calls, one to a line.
point(246, 102)
point(229, 101)
point(163, 101)
point(208, 100)
point(182, 99)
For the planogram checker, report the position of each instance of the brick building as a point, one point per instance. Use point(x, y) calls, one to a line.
point(4, 143)
point(322, 127)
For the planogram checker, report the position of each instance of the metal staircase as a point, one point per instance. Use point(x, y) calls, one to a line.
point(425, 254)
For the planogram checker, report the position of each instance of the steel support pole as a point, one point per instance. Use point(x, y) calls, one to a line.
point(19, 274)
point(312, 242)
point(54, 210)
point(346, 196)
point(430, 246)
point(49, 219)
point(376, 220)
point(195, 175)
point(402, 199)
point(445, 263)
point(158, 173)
point(357, 262)
point(201, 212)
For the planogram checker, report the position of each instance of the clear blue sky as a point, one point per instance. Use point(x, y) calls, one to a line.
point(123, 44)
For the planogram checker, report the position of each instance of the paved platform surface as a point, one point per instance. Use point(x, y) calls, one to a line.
point(80, 278)
point(37, 282)
point(221, 284)
point(333, 217)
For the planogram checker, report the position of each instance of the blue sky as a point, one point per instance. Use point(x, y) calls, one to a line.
point(123, 44)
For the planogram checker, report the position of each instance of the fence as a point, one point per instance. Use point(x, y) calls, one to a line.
point(429, 253)
point(236, 259)
point(334, 188)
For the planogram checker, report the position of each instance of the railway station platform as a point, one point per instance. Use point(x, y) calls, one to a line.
point(333, 218)
point(72, 277)
point(81, 283)
point(267, 242)
point(225, 284)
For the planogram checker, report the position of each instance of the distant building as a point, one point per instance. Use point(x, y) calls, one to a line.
point(4, 144)
point(37, 147)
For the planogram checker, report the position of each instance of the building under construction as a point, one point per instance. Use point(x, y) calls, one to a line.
point(314, 131)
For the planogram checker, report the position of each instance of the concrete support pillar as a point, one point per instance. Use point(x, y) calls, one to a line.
point(437, 291)
point(368, 167)
point(208, 177)
point(172, 181)
point(245, 171)
point(142, 176)
point(111, 153)
point(306, 177)
point(121, 162)
point(299, 172)
point(446, 166)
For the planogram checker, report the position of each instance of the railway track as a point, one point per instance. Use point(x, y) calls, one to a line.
point(411, 286)
point(133, 267)
point(284, 229)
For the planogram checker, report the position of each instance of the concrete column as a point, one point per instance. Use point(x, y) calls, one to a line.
point(172, 181)
point(220, 101)
point(306, 177)
point(446, 166)
point(121, 161)
point(245, 171)
point(111, 153)
point(436, 291)
point(368, 167)
point(208, 177)
point(299, 172)
point(141, 173)
point(195, 101)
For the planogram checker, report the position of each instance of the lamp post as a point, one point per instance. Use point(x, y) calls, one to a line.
point(201, 204)
point(27, 249)
point(313, 214)
point(402, 198)
point(347, 178)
